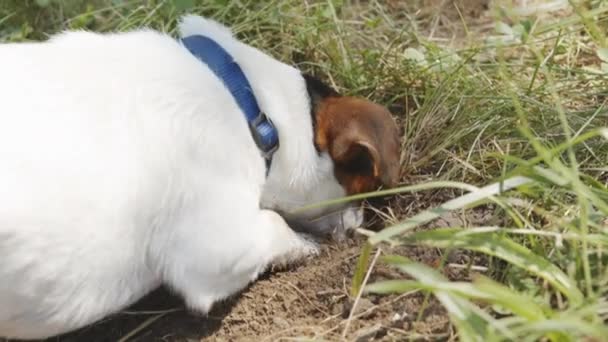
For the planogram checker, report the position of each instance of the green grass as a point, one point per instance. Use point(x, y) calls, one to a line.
point(525, 98)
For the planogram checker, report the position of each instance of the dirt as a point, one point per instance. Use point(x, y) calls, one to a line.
point(310, 301)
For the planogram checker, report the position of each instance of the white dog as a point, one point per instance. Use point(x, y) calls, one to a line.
point(126, 162)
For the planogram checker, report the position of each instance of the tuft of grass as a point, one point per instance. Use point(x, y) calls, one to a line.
point(508, 110)
point(555, 227)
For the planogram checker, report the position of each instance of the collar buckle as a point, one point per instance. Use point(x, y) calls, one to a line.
point(225, 68)
point(265, 135)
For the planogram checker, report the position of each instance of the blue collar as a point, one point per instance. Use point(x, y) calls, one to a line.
point(229, 72)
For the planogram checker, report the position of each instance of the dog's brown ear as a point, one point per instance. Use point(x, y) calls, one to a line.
point(363, 141)
point(358, 164)
point(354, 152)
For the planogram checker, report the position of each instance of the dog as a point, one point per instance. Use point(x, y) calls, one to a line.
point(128, 162)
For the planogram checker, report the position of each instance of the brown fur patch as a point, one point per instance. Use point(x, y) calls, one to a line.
point(362, 139)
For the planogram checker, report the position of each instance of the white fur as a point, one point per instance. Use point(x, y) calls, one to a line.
point(126, 164)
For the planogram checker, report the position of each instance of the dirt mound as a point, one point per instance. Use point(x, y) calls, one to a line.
point(310, 301)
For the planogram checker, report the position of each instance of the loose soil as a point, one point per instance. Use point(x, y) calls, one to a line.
point(308, 301)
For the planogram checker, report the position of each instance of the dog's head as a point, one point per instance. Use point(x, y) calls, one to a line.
point(357, 144)
point(360, 137)
point(330, 145)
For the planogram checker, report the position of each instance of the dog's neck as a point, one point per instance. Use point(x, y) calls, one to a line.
point(281, 92)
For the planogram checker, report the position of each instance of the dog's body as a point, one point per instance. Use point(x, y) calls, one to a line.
point(126, 164)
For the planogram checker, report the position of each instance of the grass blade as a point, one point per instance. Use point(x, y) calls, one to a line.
point(501, 247)
point(361, 269)
point(388, 192)
point(472, 323)
point(515, 302)
point(457, 203)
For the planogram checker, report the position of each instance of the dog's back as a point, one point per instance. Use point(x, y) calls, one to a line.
point(88, 133)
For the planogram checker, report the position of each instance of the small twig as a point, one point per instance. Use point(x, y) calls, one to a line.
point(271, 297)
point(281, 333)
point(352, 310)
point(365, 232)
point(135, 313)
point(366, 312)
point(305, 297)
point(141, 327)
point(328, 292)
point(418, 336)
point(329, 318)
point(472, 267)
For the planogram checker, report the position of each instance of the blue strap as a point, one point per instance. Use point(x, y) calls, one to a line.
point(230, 73)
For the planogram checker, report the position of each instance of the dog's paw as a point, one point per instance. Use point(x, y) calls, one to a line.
point(305, 248)
point(352, 218)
